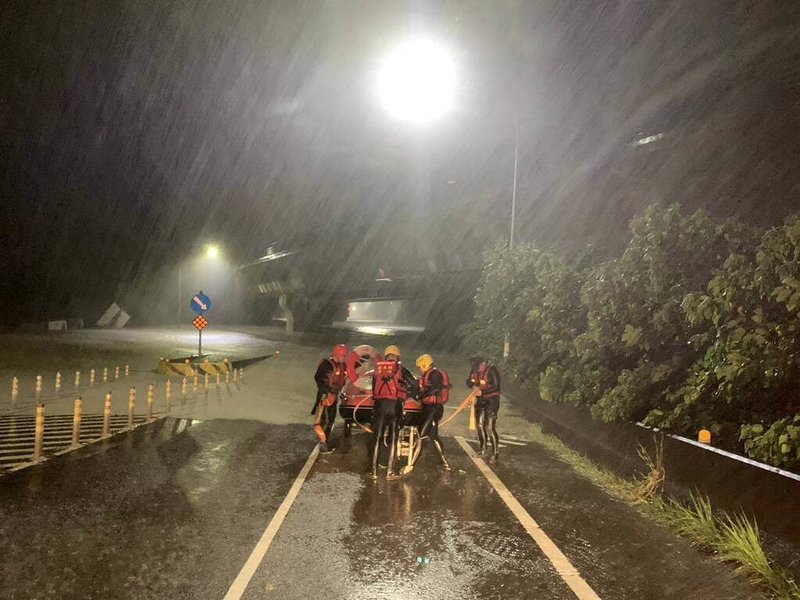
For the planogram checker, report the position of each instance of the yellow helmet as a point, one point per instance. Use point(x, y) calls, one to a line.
point(392, 350)
point(424, 362)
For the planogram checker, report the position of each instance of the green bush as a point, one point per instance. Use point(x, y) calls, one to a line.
point(533, 296)
point(694, 326)
point(637, 330)
point(778, 445)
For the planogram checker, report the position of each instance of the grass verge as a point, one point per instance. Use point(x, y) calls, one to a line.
point(735, 540)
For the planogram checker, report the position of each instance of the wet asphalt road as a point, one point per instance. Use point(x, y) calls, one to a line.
point(362, 538)
point(174, 509)
point(168, 511)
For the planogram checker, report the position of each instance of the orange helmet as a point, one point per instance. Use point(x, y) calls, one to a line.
point(340, 352)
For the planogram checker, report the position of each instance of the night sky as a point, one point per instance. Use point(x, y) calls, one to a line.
point(132, 132)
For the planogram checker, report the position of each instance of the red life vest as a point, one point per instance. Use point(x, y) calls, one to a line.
point(480, 379)
point(336, 376)
point(444, 395)
point(388, 381)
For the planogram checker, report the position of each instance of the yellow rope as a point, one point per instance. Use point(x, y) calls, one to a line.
point(467, 402)
point(355, 419)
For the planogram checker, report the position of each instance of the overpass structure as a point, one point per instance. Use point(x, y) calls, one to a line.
point(306, 290)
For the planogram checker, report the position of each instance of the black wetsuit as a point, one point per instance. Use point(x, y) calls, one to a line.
point(432, 411)
point(387, 415)
point(327, 383)
point(410, 390)
point(487, 406)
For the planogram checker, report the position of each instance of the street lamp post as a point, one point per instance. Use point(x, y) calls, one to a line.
point(506, 340)
point(180, 292)
point(514, 193)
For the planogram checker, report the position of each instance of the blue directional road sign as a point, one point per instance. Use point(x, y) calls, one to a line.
point(200, 303)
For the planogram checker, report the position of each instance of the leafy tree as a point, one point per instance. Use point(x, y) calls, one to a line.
point(750, 369)
point(638, 331)
point(533, 296)
point(696, 325)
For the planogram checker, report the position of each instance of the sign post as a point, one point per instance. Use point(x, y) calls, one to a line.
point(200, 323)
point(200, 303)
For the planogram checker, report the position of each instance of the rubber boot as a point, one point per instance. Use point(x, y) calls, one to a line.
point(390, 474)
point(482, 434)
point(325, 449)
point(494, 441)
point(438, 445)
point(376, 448)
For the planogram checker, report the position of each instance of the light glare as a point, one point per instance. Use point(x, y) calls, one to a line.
point(417, 81)
point(212, 251)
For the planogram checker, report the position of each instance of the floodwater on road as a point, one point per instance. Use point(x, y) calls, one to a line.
point(175, 508)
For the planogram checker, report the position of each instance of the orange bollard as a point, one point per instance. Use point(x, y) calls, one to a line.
point(38, 384)
point(116, 372)
point(107, 415)
point(14, 386)
point(105, 374)
point(127, 370)
point(58, 381)
point(91, 377)
point(704, 437)
point(76, 422)
point(131, 406)
point(168, 396)
point(77, 378)
point(38, 440)
point(150, 400)
point(184, 385)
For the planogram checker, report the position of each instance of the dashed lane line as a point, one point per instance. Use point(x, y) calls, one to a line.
point(257, 555)
point(563, 567)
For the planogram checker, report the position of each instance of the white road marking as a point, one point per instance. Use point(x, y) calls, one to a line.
point(561, 563)
point(512, 442)
point(513, 437)
point(257, 555)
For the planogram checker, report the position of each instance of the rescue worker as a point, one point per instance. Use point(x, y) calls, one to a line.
point(391, 385)
point(434, 392)
point(410, 387)
point(484, 379)
point(330, 378)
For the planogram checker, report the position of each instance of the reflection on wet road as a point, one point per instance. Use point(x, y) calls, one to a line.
point(349, 537)
point(174, 510)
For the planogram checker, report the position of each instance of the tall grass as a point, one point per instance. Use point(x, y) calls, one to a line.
point(651, 484)
point(735, 540)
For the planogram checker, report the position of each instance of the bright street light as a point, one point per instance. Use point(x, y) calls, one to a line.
point(417, 81)
point(212, 253)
